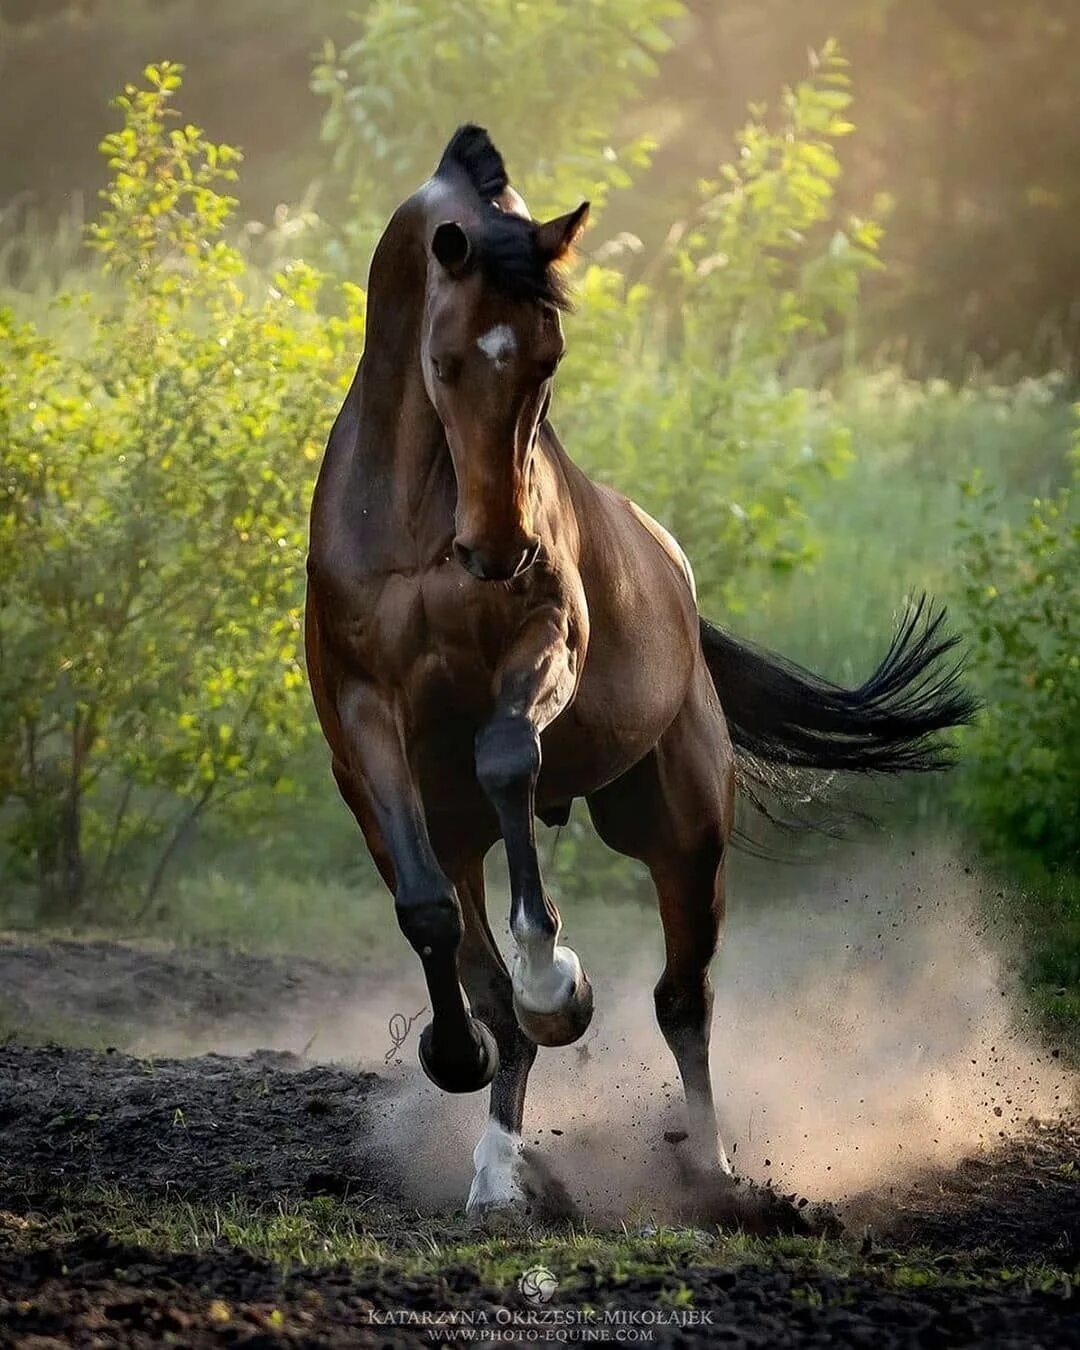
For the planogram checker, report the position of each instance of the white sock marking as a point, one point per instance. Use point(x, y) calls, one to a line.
point(496, 1158)
point(543, 984)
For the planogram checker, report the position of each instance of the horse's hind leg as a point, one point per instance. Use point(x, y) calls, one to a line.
point(498, 1181)
point(691, 893)
point(673, 811)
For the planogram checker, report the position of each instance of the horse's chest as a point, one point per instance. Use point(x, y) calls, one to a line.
point(431, 627)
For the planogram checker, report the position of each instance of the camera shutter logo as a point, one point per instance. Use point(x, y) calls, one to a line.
point(537, 1285)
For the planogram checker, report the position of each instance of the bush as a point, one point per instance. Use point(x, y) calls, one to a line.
point(1021, 785)
point(1022, 596)
point(152, 521)
point(678, 390)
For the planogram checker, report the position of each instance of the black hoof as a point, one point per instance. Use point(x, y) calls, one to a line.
point(563, 1027)
point(470, 1068)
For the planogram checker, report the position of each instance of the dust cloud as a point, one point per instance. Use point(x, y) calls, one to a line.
point(865, 1031)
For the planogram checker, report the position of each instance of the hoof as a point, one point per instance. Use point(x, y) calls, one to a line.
point(514, 1185)
point(468, 1069)
point(564, 1026)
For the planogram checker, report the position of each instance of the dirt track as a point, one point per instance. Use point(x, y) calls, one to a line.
point(268, 1125)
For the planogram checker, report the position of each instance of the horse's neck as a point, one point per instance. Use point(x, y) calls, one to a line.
point(401, 438)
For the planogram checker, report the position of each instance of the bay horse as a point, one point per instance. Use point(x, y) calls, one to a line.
point(490, 634)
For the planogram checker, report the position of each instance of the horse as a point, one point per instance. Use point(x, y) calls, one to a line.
point(491, 635)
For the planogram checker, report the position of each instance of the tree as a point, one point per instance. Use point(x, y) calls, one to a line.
point(550, 80)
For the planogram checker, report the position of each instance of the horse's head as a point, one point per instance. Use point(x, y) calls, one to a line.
point(490, 344)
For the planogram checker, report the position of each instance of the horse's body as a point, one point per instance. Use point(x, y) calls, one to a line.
point(490, 635)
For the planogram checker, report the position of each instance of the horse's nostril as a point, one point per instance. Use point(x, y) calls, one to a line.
point(475, 561)
point(489, 567)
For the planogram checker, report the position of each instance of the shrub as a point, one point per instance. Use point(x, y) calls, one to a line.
point(676, 388)
point(1022, 596)
point(152, 519)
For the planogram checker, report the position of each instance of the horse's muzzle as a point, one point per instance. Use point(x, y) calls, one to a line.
point(487, 565)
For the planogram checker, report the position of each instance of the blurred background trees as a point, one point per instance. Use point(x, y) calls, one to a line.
point(967, 117)
point(841, 367)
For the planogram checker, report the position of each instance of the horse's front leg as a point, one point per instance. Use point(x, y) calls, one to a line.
point(457, 1051)
point(552, 995)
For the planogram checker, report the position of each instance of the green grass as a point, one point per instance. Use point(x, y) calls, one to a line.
point(366, 1234)
point(886, 529)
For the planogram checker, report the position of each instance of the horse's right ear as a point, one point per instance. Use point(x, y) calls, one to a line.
point(450, 246)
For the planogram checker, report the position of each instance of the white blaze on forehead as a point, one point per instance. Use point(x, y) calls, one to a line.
point(498, 344)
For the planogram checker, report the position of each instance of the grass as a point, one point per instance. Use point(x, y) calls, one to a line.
point(368, 1235)
point(886, 529)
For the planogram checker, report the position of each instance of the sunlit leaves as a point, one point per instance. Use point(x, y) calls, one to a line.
point(682, 391)
point(549, 79)
point(152, 521)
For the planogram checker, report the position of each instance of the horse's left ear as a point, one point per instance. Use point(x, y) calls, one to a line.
point(555, 238)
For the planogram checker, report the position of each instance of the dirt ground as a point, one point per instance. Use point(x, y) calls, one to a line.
point(970, 1242)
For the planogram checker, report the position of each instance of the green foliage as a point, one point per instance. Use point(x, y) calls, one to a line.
point(1022, 593)
point(676, 386)
point(967, 118)
point(152, 520)
point(158, 454)
point(549, 79)
point(1021, 788)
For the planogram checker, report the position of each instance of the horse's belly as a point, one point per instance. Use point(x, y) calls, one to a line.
point(631, 689)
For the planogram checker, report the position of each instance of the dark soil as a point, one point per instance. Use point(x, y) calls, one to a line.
point(95, 1292)
point(199, 1128)
point(269, 1124)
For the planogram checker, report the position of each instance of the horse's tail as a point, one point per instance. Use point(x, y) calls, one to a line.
point(782, 717)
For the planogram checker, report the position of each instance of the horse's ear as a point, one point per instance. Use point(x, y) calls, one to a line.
point(451, 247)
point(555, 238)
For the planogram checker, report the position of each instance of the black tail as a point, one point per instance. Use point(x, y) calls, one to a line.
point(783, 716)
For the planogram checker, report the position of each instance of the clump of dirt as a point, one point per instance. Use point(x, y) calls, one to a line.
point(866, 1051)
point(1021, 1197)
point(270, 1124)
point(214, 1127)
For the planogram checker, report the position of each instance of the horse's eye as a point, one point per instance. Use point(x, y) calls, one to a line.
point(549, 368)
point(445, 369)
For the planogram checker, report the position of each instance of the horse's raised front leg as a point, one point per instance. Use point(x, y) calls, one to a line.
point(552, 995)
point(457, 1052)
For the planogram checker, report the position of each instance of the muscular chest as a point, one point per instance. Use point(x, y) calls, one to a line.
point(437, 626)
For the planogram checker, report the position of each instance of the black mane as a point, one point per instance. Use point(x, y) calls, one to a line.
point(504, 246)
